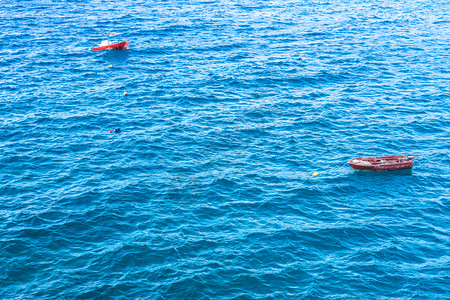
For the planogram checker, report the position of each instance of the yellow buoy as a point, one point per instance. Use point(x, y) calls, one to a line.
point(110, 66)
point(315, 174)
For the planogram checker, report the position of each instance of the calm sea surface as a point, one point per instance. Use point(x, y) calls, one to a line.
point(230, 107)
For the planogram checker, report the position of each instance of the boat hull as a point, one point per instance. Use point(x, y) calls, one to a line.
point(120, 46)
point(382, 163)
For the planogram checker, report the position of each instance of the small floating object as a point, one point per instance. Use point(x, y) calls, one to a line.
point(109, 45)
point(110, 66)
point(382, 163)
point(117, 130)
point(110, 131)
point(125, 93)
point(315, 174)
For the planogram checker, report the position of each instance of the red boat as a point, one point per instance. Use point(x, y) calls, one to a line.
point(106, 45)
point(382, 163)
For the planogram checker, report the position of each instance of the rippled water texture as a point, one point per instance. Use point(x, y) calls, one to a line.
point(231, 106)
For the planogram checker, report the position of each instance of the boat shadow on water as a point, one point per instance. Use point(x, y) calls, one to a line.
point(115, 55)
point(403, 172)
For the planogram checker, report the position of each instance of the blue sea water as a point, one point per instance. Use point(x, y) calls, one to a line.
point(207, 192)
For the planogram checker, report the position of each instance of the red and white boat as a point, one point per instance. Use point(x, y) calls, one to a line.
point(382, 163)
point(107, 45)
